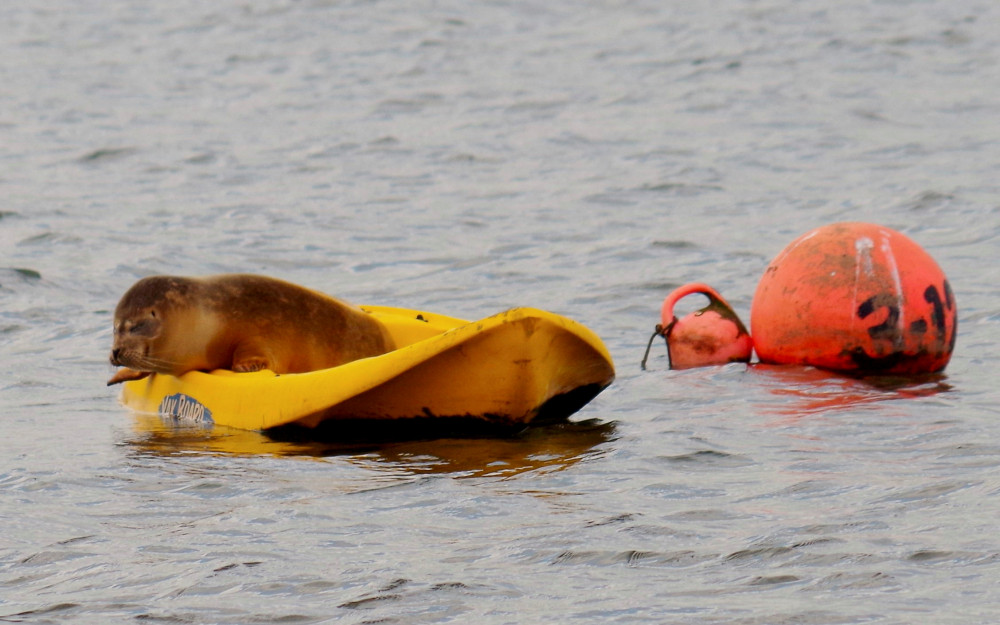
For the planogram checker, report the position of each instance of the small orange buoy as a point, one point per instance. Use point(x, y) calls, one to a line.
point(855, 297)
point(713, 335)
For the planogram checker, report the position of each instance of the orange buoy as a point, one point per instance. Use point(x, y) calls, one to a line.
point(855, 297)
point(713, 335)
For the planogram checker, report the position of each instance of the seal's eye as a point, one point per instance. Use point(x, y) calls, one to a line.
point(142, 327)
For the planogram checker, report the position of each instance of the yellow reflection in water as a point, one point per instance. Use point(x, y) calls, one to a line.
point(543, 448)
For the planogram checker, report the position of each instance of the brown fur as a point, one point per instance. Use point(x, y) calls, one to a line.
point(168, 324)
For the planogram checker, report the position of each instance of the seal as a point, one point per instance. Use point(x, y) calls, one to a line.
point(241, 322)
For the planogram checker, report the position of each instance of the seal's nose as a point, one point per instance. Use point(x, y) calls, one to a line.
point(114, 355)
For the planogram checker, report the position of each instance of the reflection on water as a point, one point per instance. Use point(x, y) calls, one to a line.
point(548, 448)
point(810, 391)
point(544, 448)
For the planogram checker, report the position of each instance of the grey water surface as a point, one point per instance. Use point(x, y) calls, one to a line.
point(464, 158)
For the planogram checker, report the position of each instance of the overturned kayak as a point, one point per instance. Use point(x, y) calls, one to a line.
point(518, 367)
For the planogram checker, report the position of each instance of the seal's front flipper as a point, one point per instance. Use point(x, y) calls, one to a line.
point(250, 364)
point(251, 356)
point(127, 375)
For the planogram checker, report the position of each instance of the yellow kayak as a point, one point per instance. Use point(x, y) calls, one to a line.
point(518, 367)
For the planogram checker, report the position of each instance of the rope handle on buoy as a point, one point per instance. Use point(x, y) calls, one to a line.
point(660, 331)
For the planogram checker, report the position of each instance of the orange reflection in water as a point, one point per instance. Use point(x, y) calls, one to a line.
point(810, 391)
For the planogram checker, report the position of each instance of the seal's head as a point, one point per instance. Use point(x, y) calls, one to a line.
point(145, 318)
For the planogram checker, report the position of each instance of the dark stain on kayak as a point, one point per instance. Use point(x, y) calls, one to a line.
point(431, 426)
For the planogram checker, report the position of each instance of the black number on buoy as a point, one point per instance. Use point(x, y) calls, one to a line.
point(932, 297)
point(888, 329)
